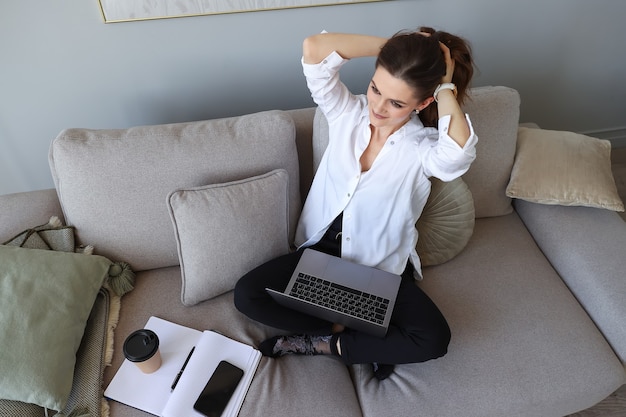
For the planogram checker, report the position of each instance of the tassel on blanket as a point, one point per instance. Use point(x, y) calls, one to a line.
point(82, 412)
point(54, 223)
point(121, 278)
point(85, 250)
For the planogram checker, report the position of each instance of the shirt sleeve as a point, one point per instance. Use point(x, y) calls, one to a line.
point(445, 159)
point(327, 90)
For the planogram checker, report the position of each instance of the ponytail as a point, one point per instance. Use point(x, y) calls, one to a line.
point(461, 53)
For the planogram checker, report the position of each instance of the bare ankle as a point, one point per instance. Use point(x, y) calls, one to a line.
point(338, 328)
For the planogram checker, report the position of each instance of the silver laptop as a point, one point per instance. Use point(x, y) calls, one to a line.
point(343, 292)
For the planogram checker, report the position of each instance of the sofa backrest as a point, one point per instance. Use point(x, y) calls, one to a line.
point(113, 184)
point(494, 112)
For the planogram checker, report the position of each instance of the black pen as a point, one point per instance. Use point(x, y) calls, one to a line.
point(182, 369)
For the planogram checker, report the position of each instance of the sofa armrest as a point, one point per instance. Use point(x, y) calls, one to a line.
point(586, 247)
point(21, 211)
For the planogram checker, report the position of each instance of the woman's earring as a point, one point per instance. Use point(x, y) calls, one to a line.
point(417, 111)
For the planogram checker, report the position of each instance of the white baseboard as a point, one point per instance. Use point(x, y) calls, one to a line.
point(616, 136)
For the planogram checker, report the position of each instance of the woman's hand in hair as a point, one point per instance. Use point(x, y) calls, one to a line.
point(447, 78)
point(459, 129)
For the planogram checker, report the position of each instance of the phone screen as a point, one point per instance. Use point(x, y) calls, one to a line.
point(217, 392)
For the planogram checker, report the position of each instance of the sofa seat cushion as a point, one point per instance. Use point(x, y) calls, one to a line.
point(113, 184)
point(521, 344)
point(293, 386)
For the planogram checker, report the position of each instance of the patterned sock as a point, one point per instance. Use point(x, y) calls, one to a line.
point(298, 344)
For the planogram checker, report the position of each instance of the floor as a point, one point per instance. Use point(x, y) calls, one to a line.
point(614, 405)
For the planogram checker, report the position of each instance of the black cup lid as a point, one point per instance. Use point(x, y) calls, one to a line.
point(141, 345)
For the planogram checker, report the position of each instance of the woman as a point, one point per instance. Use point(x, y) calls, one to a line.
point(371, 186)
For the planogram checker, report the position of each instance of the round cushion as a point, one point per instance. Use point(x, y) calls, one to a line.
point(447, 222)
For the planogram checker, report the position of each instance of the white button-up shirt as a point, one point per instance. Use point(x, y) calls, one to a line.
point(380, 206)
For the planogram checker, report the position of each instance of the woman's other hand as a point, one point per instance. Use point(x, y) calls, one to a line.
point(447, 78)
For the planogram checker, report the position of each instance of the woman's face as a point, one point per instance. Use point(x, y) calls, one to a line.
point(390, 100)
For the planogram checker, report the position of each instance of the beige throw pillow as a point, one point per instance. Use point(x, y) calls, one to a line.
point(563, 168)
point(225, 230)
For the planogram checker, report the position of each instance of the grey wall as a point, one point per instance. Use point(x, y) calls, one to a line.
point(61, 66)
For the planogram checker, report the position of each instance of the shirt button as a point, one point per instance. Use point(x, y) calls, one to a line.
point(347, 239)
point(348, 194)
point(392, 142)
point(325, 62)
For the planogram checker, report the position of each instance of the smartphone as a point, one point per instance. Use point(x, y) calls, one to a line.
point(217, 392)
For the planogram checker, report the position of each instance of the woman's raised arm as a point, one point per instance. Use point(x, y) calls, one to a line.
point(317, 47)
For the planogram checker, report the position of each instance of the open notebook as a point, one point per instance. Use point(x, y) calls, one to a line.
point(152, 392)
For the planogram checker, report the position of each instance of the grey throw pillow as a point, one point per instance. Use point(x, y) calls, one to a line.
point(225, 230)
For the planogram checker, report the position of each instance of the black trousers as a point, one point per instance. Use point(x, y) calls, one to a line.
point(418, 331)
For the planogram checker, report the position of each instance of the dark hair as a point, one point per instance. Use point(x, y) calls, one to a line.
point(419, 61)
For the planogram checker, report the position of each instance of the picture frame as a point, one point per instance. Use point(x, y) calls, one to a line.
point(115, 11)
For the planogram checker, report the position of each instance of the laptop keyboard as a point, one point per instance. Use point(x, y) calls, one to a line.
point(339, 298)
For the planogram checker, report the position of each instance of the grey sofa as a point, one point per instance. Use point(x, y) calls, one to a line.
point(535, 301)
